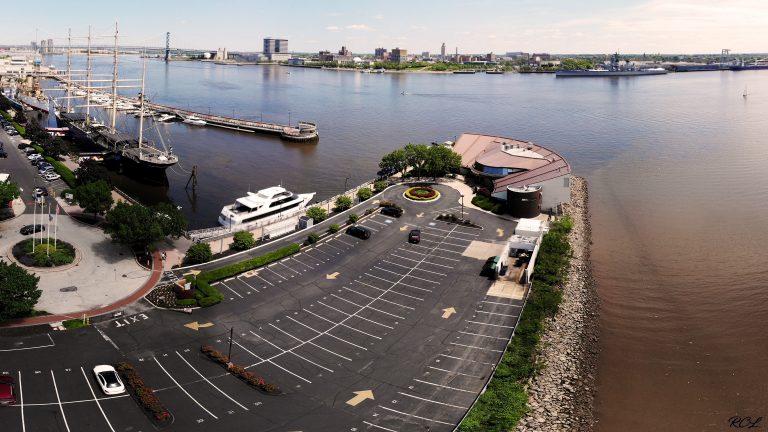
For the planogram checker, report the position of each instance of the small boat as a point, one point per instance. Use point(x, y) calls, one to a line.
point(464, 71)
point(494, 71)
point(745, 94)
point(162, 118)
point(379, 70)
point(197, 121)
point(404, 93)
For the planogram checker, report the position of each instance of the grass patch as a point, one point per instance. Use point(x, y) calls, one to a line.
point(505, 401)
point(46, 254)
point(73, 324)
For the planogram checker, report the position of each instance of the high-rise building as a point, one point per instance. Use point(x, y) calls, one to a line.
point(33, 45)
point(50, 46)
point(276, 49)
point(380, 54)
point(442, 52)
point(425, 55)
point(399, 55)
point(43, 46)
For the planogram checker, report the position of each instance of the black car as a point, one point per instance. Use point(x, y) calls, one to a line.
point(29, 229)
point(414, 236)
point(392, 211)
point(3, 154)
point(359, 232)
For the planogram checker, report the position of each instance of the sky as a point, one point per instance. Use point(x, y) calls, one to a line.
point(471, 26)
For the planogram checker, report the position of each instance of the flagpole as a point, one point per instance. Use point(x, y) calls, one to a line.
point(34, 218)
point(48, 232)
point(42, 210)
point(56, 228)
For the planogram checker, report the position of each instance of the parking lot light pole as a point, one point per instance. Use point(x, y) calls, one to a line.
point(229, 355)
point(462, 206)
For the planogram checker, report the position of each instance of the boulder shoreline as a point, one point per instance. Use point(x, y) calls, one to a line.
point(561, 394)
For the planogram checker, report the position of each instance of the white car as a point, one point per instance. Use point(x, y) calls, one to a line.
point(109, 380)
point(51, 176)
point(34, 156)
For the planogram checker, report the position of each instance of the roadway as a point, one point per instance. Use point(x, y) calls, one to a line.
point(411, 323)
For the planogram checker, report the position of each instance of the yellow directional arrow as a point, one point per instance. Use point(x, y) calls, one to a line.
point(197, 326)
point(404, 228)
point(420, 214)
point(500, 232)
point(193, 272)
point(332, 275)
point(447, 312)
point(360, 396)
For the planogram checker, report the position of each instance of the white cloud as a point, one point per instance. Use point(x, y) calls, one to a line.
point(419, 27)
point(359, 27)
point(379, 17)
point(333, 28)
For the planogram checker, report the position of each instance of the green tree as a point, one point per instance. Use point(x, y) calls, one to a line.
point(380, 185)
point(576, 64)
point(94, 197)
point(9, 191)
point(343, 203)
point(364, 193)
point(243, 240)
point(396, 161)
point(18, 291)
point(441, 160)
point(313, 238)
point(416, 156)
point(317, 214)
point(333, 228)
point(199, 253)
point(353, 217)
point(170, 218)
point(55, 147)
point(91, 171)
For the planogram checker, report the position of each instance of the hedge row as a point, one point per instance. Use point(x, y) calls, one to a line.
point(66, 174)
point(210, 296)
point(19, 128)
point(488, 204)
point(505, 401)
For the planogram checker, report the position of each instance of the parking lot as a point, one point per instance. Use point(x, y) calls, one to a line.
point(411, 323)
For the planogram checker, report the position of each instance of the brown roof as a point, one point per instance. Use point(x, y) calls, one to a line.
point(539, 163)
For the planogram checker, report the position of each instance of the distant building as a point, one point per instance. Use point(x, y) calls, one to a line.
point(344, 51)
point(43, 46)
point(399, 55)
point(380, 54)
point(221, 54)
point(425, 55)
point(33, 45)
point(296, 61)
point(325, 56)
point(491, 57)
point(442, 52)
point(276, 49)
point(515, 54)
point(50, 46)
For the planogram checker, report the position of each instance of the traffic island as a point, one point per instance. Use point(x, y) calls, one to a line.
point(46, 254)
point(145, 396)
point(421, 193)
point(238, 371)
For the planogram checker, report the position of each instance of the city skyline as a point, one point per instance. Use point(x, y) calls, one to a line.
point(592, 26)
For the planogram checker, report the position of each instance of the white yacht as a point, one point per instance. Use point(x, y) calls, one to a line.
point(197, 121)
point(162, 118)
point(264, 205)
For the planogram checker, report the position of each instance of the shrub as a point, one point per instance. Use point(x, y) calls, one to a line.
point(186, 302)
point(243, 240)
point(369, 211)
point(489, 204)
point(343, 203)
point(421, 193)
point(364, 193)
point(199, 253)
point(317, 214)
point(353, 217)
point(238, 371)
point(313, 238)
point(73, 324)
point(383, 203)
point(333, 228)
point(209, 301)
point(243, 266)
point(380, 185)
point(66, 174)
point(147, 396)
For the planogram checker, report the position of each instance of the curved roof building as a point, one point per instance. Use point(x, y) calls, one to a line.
point(502, 163)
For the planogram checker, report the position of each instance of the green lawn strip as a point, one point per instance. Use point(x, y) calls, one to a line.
point(488, 204)
point(210, 295)
point(73, 324)
point(505, 401)
point(19, 128)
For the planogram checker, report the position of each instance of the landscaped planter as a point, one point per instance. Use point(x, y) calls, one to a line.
point(422, 193)
point(238, 371)
point(45, 254)
point(145, 395)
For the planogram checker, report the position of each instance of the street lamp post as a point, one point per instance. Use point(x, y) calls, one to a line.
point(462, 206)
point(231, 334)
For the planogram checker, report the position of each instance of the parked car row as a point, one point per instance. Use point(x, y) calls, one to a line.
point(45, 168)
point(8, 127)
point(106, 376)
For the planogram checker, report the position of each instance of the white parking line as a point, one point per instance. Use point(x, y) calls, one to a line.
point(495, 313)
point(443, 386)
point(30, 348)
point(269, 360)
point(489, 324)
point(334, 323)
point(183, 389)
point(425, 262)
point(431, 256)
point(372, 229)
point(21, 401)
point(233, 291)
point(350, 315)
point(212, 385)
point(61, 408)
point(249, 285)
point(405, 275)
point(465, 359)
point(399, 283)
point(124, 395)
point(430, 400)
point(380, 299)
point(276, 273)
point(482, 335)
point(327, 334)
point(281, 263)
point(369, 307)
point(329, 245)
point(415, 268)
point(265, 281)
point(503, 304)
point(306, 254)
point(342, 241)
point(415, 416)
point(375, 221)
point(450, 231)
point(297, 355)
point(87, 381)
point(380, 427)
point(475, 347)
point(455, 372)
point(312, 343)
point(390, 291)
